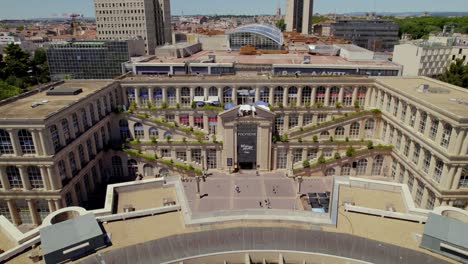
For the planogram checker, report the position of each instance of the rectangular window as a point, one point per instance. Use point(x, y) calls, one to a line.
point(406, 148)
point(312, 154)
point(419, 193)
point(410, 182)
point(196, 156)
point(433, 130)
point(281, 159)
point(430, 201)
point(165, 153)
point(321, 118)
point(307, 119)
point(439, 167)
point(181, 155)
point(463, 183)
point(297, 155)
point(293, 121)
point(422, 123)
point(426, 161)
point(417, 150)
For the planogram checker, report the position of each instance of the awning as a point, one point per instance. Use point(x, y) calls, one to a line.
point(259, 103)
point(213, 99)
point(229, 106)
point(197, 99)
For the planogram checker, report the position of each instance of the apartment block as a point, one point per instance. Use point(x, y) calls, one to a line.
point(127, 19)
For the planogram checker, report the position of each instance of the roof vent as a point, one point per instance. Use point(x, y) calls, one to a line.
point(36, 104)
point(425, 88)
point(64, 91)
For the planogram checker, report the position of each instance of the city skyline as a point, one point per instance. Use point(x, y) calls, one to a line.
point(55, 8)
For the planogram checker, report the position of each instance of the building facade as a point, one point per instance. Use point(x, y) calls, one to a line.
point(428, 58)
point(406, 130)
point(299, 16)
point(125, 19)
point(91, 59)
point(374, 35)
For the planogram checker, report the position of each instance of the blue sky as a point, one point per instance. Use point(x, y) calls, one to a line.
point(49, 8)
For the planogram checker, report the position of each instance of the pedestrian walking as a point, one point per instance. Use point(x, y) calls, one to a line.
point(260, 203)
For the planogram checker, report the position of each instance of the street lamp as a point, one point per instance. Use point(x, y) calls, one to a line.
point(299, 181)
point(197, 178)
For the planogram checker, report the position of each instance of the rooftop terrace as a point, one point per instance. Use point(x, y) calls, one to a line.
point(22, 108)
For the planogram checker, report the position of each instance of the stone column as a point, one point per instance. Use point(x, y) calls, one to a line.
point(456, 179)
point(447, 178)
point(205, 123)
point(340, 95)
point(355, 91)
point(36, 142)
point(137, 96)
point(24, 177)
point(301, 120)
point(178, 95)
point(299, 97)
point(150, 95)
point(192, 93)
point(286, 123)
point(4, 179)
point(33, 210)
point(13, 212)
point(368, 100)
point(271, 96)
point(15, 142)
point(44, 144)
point(456, 141)
point(51, 205)
point(58, 204)
point(164, 95)
point(45, 178)
point(205, 92)
point(314, 94)
point(327, 96)
point(257, 94)
point(424, 198)
point(54, 179)
point(464, 147)
point(84, 190)
point(234, 95)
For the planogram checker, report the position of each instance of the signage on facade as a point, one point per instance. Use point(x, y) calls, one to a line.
point(247, 143)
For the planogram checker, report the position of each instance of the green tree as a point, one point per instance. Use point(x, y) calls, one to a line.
point(456, 74)
point(7, 90)
point(281, 25)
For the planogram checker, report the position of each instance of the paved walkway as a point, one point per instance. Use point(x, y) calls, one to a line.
point(219, 191)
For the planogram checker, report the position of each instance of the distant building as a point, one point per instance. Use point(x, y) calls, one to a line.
point(91, 59)
point(146, 19)
point(299, 16)
point(6, 39)
point(375, 35)
point(429, 58)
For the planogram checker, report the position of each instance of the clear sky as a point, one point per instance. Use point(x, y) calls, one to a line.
point(52, 8)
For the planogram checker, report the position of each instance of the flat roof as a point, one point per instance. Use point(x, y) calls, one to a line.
point(296, 57)
point(21, 108)
point(449, 99)
point(447, 229)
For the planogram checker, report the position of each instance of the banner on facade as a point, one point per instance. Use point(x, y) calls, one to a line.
point(247, 143)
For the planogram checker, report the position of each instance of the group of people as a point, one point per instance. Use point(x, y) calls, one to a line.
point(267, 203)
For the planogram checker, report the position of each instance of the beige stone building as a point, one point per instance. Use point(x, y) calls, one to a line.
point(126, 19)
point(55, 154)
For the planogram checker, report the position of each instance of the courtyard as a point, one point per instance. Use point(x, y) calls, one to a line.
point(246, 190)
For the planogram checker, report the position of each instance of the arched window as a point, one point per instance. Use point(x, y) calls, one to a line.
point(213, 91)
point(66, 130)
point(306, 96)
point(320, 95)
point(132, 168)
point(117, 168)
point(278, 96)
point(84, 118)
point(55, 137)
point(72, 162)
point(330, 172)
point(131, 95)
point(334, 94)
point(444, 142)
point(26, 142)
point(168, 134)
point(153, 132)
point(148, 170)
point(103, 136)
point(144, 96)
point(76, 123)
point(265, 94)
point(324, 135)
point(35, 178)
point(157, 96)
point(81, 155)
point(99, 109)
point(227, 95)
point(92, 114)
point(347, 96)
point(377, 165)
point(124, 130)
point(354, 130)
point(361, 167)
point(199, 91)
point(346, 169)
point(62, 170)
point(463, 183)
point(339, 132)
point(171, 97)
point(361, 96)
point(14, 177)
point(185, 99)
point(5, 143)
point(139, 131)
point(292, 96)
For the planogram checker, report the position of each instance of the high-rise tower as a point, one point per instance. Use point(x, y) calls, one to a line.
point(125, 19)
point(299, 16)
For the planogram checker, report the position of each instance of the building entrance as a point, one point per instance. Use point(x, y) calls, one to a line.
point(247, 146)
point(245, 95)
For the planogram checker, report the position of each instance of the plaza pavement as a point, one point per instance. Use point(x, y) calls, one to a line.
point(219, 191)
